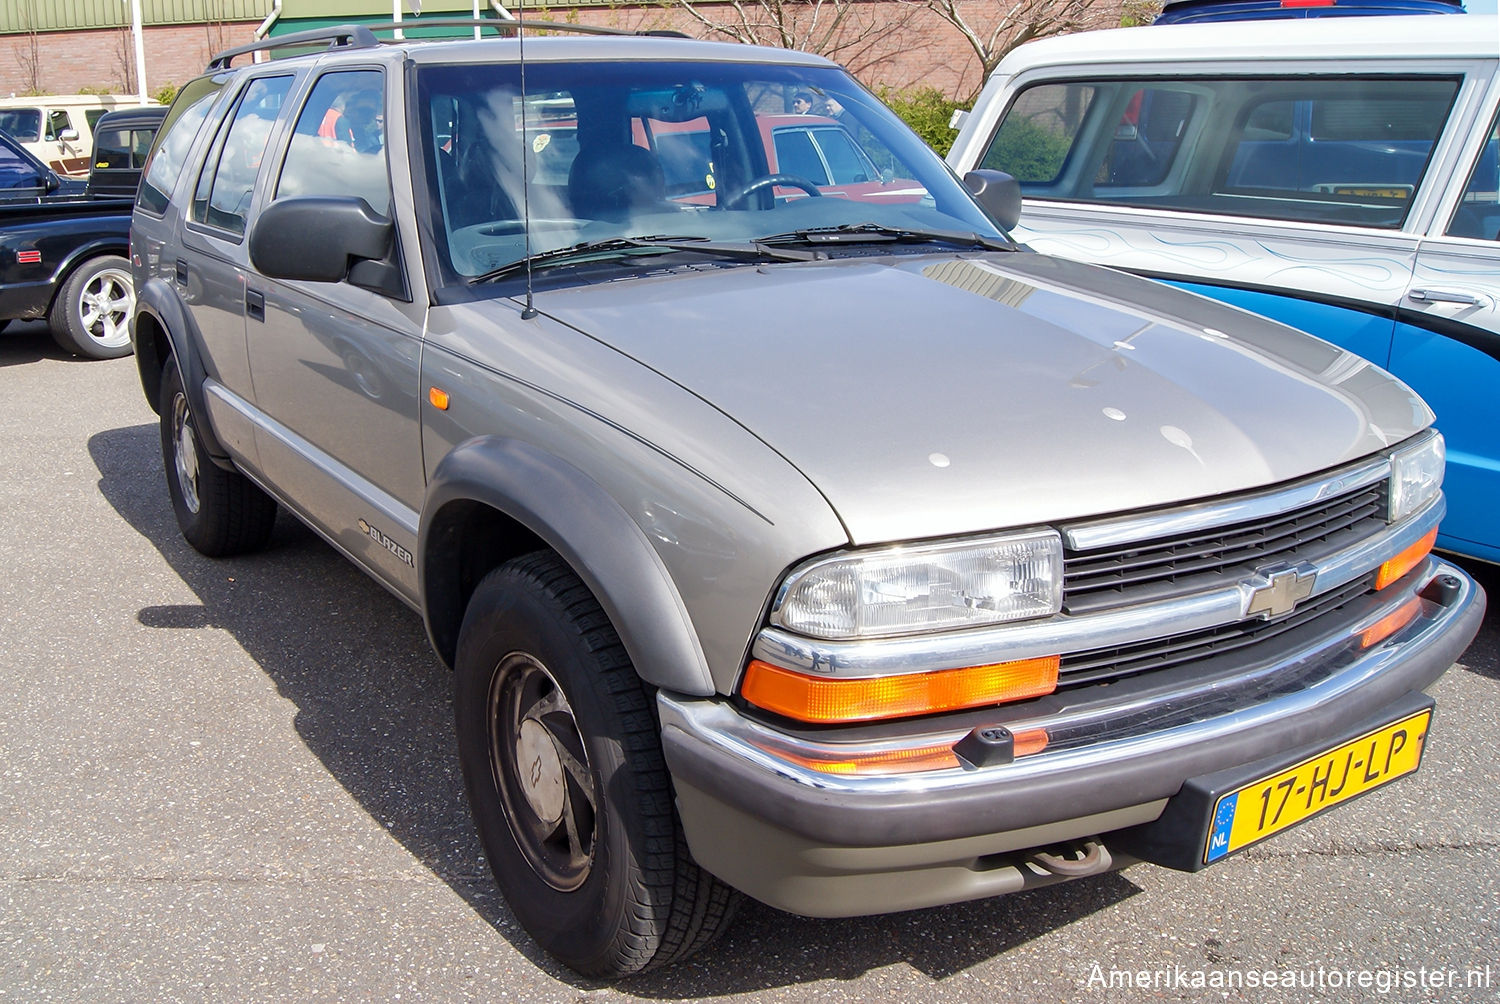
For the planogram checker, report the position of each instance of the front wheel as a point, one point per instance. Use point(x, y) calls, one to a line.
point(566, 779)
point(220, 512)
point(91, 315)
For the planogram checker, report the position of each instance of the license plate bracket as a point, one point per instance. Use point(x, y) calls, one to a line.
point(1216, 815)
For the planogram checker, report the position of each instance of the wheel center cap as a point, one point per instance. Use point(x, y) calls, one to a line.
point(540, 770)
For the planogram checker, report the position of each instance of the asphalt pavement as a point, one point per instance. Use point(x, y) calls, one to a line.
point(236, 780)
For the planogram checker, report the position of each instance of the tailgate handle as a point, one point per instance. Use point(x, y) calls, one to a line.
point(255, 305)
point(1443, 296)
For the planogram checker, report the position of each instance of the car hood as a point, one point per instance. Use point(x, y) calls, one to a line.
point(932, 395)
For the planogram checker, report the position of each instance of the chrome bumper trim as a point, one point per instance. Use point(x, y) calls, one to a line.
point(1063, 634)
point(1162, 722)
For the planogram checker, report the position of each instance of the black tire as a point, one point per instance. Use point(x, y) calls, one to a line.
point(91, 315)
point(220, 512)
point(563, 765)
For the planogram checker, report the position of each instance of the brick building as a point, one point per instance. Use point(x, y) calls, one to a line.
point(63, 46)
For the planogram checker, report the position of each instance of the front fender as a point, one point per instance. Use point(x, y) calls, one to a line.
point(573, 515)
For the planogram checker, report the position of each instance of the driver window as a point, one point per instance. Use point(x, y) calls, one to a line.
point(338, 143)
point(1478, 213)
point(57, 122)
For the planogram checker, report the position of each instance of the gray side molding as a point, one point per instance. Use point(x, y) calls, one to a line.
point(158, 299)
point(568, 510)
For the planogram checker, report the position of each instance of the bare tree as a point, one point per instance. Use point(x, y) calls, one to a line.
point(856, 33)
point(29, 51)
point(125, 61)
point(993, 28)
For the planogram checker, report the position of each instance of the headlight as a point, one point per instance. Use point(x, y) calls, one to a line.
point(1416, 476)
point(924, 587)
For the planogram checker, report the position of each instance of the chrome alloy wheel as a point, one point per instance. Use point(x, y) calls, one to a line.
point(541, 769)
point(185, 453)
point(105, 305)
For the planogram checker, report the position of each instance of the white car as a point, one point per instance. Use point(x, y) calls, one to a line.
point(1336, 174)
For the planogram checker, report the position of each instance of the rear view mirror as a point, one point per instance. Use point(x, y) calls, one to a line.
point(318, 238)
point(998, 193)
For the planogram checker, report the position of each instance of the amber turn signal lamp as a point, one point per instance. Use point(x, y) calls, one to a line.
point(1405, 561)
point(439, 398)
point(827, 700)
point(1390, 623)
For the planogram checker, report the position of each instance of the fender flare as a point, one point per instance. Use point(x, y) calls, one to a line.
point(118, 245)
point(158, 300)
point(577, 518)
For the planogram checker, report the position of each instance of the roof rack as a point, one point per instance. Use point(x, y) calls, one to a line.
point(348, 36)
point(511, 24)
point(362, 36)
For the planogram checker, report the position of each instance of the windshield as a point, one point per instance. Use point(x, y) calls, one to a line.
point(724, 152)
point(25, 124)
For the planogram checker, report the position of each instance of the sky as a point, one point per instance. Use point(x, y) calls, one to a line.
point(1480, 6)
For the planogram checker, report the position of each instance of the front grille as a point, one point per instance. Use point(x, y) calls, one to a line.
point(1142, 571)
point(1163, 653)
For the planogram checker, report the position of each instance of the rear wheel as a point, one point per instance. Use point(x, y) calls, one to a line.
point(565, 775)
point(220, 512)
point(91, 315)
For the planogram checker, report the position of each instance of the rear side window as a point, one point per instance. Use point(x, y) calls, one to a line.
point(174, 140)
point(226, 185)
point(1332, 149)
point(1478, 213)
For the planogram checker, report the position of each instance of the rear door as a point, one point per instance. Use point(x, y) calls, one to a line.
point(211, 272)
point(1447, 342)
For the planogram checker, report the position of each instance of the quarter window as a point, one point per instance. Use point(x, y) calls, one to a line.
point(174, 140)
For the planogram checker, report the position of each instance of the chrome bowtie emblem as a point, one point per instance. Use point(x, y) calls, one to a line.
point(1275, 591)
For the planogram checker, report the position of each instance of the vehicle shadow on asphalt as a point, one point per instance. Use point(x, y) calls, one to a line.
point(25, 342)
point(1483, 654)
point(374, 705)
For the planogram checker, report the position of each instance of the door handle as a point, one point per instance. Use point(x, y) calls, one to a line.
point(182, 272)
point(255, 305)
point(1443, 296)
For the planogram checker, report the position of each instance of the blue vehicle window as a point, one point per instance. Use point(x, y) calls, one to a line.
point(1329, 149)
point(1478, 213)
point(16, 171)
point(1039, 130)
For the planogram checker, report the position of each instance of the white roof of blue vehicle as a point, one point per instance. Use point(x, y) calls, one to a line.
point(1458, 36)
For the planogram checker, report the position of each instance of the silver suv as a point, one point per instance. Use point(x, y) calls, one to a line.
point(818, 544)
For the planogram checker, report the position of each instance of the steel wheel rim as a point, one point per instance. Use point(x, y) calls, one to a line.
point(105, 306)
point(185, 453)
point(540, 767)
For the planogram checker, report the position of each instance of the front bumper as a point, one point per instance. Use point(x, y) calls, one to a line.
point(824, 844)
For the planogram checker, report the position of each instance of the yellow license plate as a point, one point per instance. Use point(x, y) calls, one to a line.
point(1286, 798)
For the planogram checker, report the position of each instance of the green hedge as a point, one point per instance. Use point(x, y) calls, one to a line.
point(927, 110)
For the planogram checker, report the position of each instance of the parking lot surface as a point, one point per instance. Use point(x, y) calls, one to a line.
point(236, 780)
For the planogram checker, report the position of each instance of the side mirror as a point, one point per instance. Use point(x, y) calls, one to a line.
point(50, 181)
point(318, 238)
point(998, 193)
point(68, 135)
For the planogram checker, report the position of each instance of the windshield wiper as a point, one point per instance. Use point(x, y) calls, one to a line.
point(876, 233)
point(620, 247)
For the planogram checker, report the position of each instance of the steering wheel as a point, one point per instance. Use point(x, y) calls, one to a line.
point(768, 181)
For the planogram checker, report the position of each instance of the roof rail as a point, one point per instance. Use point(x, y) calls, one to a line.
point(511, 24)
point(348, 36)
